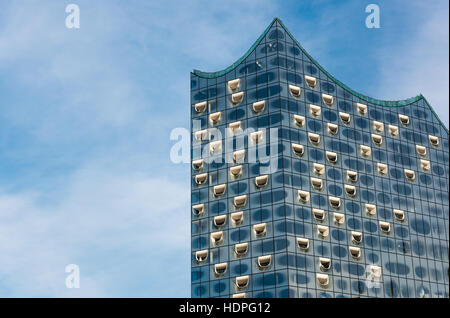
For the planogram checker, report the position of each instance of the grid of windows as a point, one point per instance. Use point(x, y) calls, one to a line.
point(361, 211)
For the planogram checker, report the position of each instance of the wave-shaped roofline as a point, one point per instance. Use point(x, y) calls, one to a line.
point(389, 103)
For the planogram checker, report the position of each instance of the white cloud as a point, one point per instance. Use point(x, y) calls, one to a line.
point(114, 226)
point(419, 64)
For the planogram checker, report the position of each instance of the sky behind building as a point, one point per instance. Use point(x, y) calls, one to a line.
point(86, 114)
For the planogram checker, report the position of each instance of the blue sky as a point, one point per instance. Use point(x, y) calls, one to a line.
point(86, 114)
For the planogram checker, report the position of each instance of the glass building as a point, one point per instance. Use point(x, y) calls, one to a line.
point(302, 187)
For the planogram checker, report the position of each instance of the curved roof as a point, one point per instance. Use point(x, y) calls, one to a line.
point(368, 99)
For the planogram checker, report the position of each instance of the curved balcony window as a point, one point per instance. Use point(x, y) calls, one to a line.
point(322, 231)
point(425, 165)
point(327, 99)
point(234, 84)
point(410, 175)
point(201, 135)
point(319, 214)
point(197, 165)
point(260, 229)
point(371, 209)
point(331, 156)
point(216, 238)
point(365, 151)
point(378, 126)
point(316, 184)
point(200, 107)
point(324, 264)
point(295, 90)
point(303, 196)
point(239, 156)
point(261, 181)
point(258, 107)
point(375, 271)
point(219, 190)
point(299, 120)
point(201, 179)
point(237, 97)
point(399, 215)
point(339, 218)
point(198, 209)
point(385, 227)
point(303, 243)
point(239, 201)
point(362, 108)
point(235, 172)
point(242, 282)
point(382, 169)
point(403, 119)
point(237, 218)
point(241, 249)
point(356, 237)
point(215, 147)
point(256, 136)
point(350, 190)
point(332, 129)
point(314, 110)
point(298, 150)
point(220, 221)
point(314, 139)
point(393, 130)
point(352, 176)
point(345, 118)
point(201, 256)
point(215, 118)
point(335, 202)
point(319, 169)
point(355, 252)
point(310, 81)
point(434, 140)
point(323, 280)
point(264, 261)
point(377, 139)
point(235, 128)
point(220, 269)
point(421, 150)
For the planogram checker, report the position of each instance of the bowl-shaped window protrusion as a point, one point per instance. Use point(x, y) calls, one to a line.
point(260, 229)
point(327, 99)
point(237, 97)
point(234, 84)
point(258, 107)
point(356, 237)
point(362, 108)
point(200, 107)
point(403, 119)
point(201, 256)
point(371, 209)
point(264, 261)
point(220, 269)
point(332, 129)
point(385, 227)
point(310, 81)
point(303, 196)
point(295, 90)
point(299, 120)
point(298, 149)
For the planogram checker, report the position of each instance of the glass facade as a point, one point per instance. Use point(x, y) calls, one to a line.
point(302, 187)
